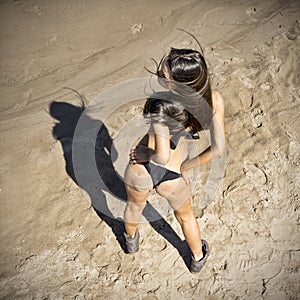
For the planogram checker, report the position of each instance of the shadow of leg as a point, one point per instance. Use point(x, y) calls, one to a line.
point(161, 226)
point(117, 227)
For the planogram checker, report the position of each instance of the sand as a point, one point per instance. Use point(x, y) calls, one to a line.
point(54, 243)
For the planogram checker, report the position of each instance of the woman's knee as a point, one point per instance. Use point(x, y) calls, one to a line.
point(136, 201)
point(135, 195)
point(184, 213)
point(136, 207)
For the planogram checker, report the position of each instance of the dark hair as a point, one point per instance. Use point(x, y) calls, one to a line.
point(188, 67)
point(161, 108)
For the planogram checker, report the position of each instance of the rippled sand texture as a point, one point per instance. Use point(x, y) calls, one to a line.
point(54, 244)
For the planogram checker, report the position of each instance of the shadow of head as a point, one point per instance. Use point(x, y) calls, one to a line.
point(68, 116)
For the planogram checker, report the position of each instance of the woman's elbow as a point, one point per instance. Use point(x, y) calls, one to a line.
point(160, 159)
point(163, 160)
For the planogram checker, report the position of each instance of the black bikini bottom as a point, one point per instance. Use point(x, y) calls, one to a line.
point(160, 174)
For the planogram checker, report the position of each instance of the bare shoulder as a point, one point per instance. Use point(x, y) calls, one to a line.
point(218, 102)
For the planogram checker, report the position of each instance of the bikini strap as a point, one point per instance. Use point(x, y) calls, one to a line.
point(191, 135)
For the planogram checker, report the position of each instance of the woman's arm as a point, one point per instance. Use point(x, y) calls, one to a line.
point(160, 153)
point(217, 133)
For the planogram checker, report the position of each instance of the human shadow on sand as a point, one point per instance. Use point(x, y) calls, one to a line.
point(67, 116)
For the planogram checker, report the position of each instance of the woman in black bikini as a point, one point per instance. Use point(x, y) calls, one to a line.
point(160, 159)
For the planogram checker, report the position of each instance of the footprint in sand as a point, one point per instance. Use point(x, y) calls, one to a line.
point(266, 86)
point(251, 11)
point(293, 32)
point(246, 97)
point(255, 173)
point(257, 117)
point(245, 263)
point(136, 28)
point(282, 230)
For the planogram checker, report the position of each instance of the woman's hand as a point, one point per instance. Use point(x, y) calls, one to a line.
point(140, 154)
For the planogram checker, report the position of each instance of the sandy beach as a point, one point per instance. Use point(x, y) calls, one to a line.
point(58, 241)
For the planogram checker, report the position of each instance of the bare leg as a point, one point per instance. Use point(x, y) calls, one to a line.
point(133, 212)
point(138, 183)
point(190, 228)
point(178, 194)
